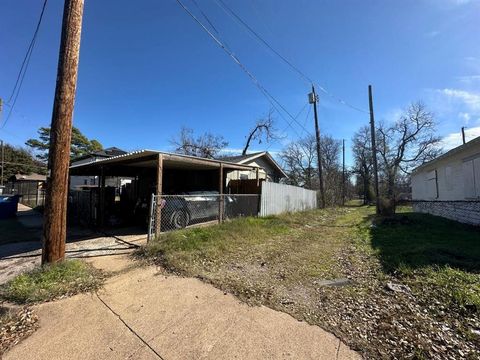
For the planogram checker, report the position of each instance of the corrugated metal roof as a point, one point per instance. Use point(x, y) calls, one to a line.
point(145, 153)
point(31, 177)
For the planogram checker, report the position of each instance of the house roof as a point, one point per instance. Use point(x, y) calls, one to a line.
point(238, 158)
point(243, 159)
point(149, 159)
point(105, 153)
point(468, 145)
point(31, 177)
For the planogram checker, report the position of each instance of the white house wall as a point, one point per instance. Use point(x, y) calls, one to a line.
point(450, 187)
point(453, 176)
point(266, 171)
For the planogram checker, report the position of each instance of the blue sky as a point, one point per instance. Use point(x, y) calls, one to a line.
point(146, 68)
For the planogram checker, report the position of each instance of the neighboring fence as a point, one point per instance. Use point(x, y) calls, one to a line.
point(180, 211)
point(30, 194)
point(82, 207)
point(280, 198)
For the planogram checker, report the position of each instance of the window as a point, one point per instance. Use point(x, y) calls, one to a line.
point(471, 178)
point(243, 177)
point(448, 178)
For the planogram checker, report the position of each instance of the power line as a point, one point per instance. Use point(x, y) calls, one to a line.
point(232, 14)
point(283, 131)
point(23, 68)
point(229, 11)
point(273, 101)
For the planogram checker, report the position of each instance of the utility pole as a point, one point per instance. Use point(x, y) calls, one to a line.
point(313, 99)
point(3, 161)
point(463, 134)
point(55, 218)
point(343, 172)
point(374, 147)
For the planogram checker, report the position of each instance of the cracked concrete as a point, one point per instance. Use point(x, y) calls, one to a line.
point(144, 314)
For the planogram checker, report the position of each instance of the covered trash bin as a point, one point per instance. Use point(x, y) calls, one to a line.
point(8, 206)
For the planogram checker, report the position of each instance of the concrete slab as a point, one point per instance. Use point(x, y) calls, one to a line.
point(174, 318)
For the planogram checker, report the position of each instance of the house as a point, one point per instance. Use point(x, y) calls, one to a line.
point(78, 182)
point(449, 185)
point(268, 168)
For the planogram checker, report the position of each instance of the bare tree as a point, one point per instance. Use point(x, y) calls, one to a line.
point(299, 159)
point(206, 145)
point(332, 171)
point(263, 130)
point(362, 154)
point(404, 145)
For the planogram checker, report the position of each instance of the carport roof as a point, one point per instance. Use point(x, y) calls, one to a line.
point(149, 159)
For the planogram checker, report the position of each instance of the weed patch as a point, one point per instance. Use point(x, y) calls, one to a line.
point(52, 281)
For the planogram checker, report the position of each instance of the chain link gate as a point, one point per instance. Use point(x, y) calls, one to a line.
point(196, 208)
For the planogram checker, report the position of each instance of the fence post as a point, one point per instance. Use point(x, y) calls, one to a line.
point(158, 205)
point(221, 197)
point(152, 204)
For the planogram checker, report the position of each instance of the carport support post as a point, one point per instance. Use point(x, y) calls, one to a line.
point(158, 208)
point(101, 198)
point(221, 199)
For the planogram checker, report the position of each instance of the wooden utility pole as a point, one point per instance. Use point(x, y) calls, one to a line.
point(313, 99)
point(343, 172)
point(374, 148)
point(55, 218)
point(3, 161)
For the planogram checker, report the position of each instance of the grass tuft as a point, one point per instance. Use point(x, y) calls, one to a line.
point(52, 281)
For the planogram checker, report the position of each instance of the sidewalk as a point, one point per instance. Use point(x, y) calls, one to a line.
point(143, 313)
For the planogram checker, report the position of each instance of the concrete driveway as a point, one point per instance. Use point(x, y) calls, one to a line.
point(143, 313)
point(20, 255)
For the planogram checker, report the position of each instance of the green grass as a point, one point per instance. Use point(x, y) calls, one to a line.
point(279, 261)
point(288, 248)
point(52, 281)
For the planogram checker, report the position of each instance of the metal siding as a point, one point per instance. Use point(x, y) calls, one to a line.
point(280, 198)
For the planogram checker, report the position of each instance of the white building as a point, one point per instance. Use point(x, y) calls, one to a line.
point(78, 182)
point(268, 168)
point(449, 185)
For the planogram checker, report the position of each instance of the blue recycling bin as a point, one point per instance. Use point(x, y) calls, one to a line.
point(8, 206)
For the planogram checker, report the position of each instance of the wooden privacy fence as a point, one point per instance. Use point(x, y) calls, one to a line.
point(280, 198)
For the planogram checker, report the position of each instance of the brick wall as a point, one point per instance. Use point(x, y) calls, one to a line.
point(463, 211)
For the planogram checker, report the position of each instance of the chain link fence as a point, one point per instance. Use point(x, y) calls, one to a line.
point(181, 211)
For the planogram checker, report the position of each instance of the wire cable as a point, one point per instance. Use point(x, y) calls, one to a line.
point(229, 11)
point(273, 101)
point(24, 67)
point(232, 14)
